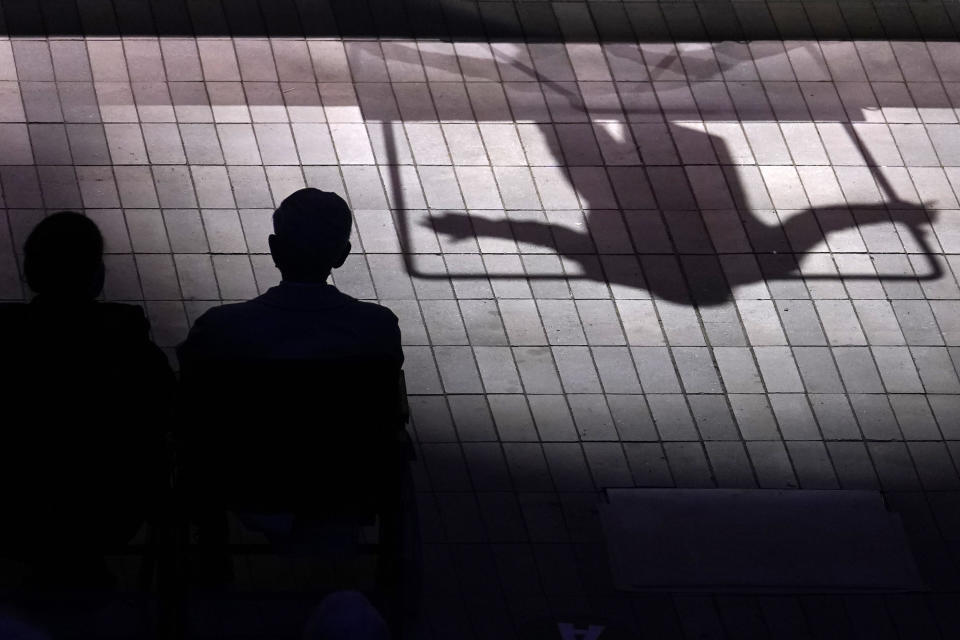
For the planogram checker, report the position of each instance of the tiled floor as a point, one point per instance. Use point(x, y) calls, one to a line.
point(691, 265)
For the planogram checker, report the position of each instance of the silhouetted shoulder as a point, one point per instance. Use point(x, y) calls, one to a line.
point(220, 325)
point(378, 320)
point(295, 321)
point(333, 302)
point(382, 326)
point(127, 316)
point(118, 322)
point(376, 312)
point(219, 314)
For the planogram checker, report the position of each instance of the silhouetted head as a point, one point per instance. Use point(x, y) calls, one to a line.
point(311, 235)
point(63, 257)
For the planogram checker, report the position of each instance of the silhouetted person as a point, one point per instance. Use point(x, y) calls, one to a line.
point(87, 395)
point(303, 317)
point(277, 385)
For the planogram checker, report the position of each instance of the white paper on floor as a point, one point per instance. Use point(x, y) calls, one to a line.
point(756, 540)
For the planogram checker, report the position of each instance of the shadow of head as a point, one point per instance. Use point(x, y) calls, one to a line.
point(63, 258)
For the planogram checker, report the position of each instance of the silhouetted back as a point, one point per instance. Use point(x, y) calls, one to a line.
point(282, 435)
point(88, 396)
point(291, 393)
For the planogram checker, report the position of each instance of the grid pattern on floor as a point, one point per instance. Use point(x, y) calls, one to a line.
point(690, 265)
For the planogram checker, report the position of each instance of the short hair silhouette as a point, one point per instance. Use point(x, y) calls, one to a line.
point(311, 234)
point(63, 257)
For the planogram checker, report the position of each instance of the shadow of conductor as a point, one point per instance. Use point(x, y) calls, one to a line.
point(687, 244)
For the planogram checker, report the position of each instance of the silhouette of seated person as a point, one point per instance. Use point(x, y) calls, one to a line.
point(87, 398)
point(288, 392)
